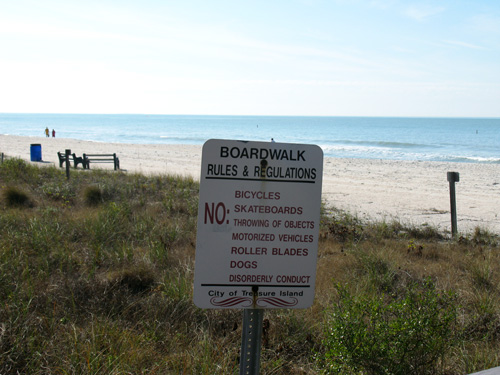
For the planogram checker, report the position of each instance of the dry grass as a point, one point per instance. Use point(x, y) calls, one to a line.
point(96, 277)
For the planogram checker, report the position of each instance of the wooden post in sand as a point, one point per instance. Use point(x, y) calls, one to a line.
point(1, 159)
point(452, 178)
point(68, 153)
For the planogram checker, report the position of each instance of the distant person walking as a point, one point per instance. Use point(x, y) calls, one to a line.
point(53, 133)
point(47, 132)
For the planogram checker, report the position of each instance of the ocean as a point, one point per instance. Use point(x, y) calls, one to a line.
point(473, 140)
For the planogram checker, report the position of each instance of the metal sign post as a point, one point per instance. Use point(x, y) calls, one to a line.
point(251, 340)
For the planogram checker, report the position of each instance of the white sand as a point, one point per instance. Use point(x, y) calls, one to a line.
point(412, 192)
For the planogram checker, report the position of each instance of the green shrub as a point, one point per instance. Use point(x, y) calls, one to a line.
point(93, 195)
point(378, 334)
point(381, 274)
point(344, 227)
point(14, 197)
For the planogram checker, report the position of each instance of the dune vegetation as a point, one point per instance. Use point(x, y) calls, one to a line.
point(96, 275)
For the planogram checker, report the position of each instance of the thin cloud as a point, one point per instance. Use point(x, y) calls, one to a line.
point(486, 23)
point(421, 12)
point(462, 44)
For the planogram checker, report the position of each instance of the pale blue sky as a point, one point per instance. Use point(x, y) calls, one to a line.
point(273, 57)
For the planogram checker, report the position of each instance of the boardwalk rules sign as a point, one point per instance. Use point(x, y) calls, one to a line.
point(258, 225)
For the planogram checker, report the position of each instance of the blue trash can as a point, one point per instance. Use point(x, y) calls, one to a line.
point(36, 152)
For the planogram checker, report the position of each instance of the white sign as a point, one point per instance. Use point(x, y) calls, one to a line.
point(258, 225)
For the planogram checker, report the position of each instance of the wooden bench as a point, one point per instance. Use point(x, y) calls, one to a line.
point(100, 158)
point(72, 158)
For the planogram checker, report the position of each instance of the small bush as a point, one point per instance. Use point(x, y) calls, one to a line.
point(137, 279)
point(14, 197)
point(424, 232)
point(344, 227)
point(386, 335)
point(480, 237)
point(93, 196)
point(381, 274)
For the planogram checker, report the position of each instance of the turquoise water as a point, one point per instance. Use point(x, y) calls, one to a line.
point(434, 139)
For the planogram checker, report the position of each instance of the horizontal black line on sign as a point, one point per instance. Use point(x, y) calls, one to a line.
point(260, 179)
point(260, 286)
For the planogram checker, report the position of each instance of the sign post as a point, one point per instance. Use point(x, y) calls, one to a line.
point(258, 227)
point(453, 177)
point(251, 339)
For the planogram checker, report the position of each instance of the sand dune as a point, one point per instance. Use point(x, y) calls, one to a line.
point(412, 192)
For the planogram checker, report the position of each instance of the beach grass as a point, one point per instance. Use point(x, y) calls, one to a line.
point(96, 276)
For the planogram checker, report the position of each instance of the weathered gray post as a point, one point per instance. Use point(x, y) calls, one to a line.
point(452, 178)
point(68, 153)
point(1, 161)
point(251, 339)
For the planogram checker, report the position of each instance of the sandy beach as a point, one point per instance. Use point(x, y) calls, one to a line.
point(412, 192)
